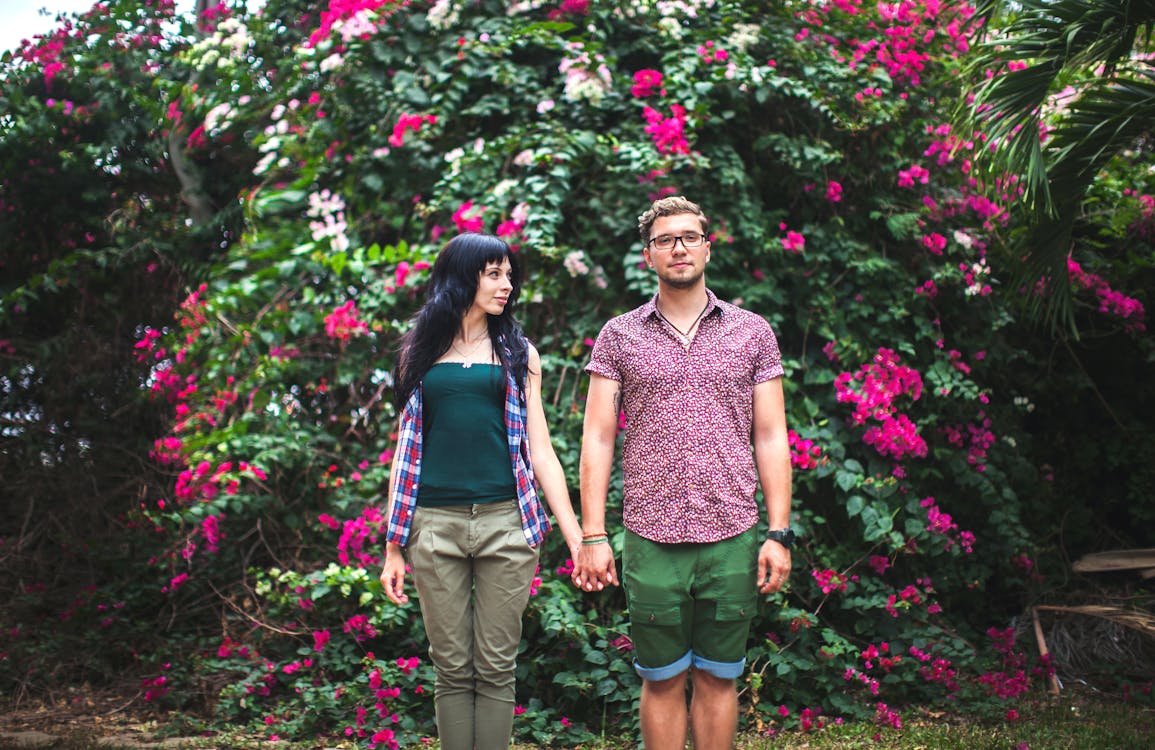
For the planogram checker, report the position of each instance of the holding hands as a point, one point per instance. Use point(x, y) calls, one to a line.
point(594, 566)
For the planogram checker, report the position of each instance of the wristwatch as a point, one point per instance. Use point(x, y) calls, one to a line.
point(785, 537)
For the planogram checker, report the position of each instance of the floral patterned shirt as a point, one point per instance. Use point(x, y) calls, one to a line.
point(687, 456)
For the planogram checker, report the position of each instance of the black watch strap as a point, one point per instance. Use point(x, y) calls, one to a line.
point(785, 537)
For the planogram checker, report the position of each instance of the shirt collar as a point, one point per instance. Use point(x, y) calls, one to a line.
point(650, 309)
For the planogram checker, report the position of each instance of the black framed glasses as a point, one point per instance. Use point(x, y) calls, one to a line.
point(690, 240)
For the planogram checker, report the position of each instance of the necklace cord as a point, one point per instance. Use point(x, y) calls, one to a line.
point(465, 356)
point(685, 334)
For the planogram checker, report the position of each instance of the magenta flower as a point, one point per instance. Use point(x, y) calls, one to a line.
point(647, 83)
point(934, 242)
point(342, 324)
point(834, 191)
point(668, 133)
point(908, 177)
point(467, 222)
point(879, 563)
point(793, 242)
point(407, 122)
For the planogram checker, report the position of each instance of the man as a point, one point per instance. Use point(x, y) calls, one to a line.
point(700, 382)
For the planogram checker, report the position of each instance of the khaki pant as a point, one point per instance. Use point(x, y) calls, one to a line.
point(472, 567)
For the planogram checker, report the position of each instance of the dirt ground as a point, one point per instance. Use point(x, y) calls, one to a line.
point(80, 716)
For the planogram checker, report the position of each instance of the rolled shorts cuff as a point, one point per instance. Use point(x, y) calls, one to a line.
point(657, 674)
point(723, 670)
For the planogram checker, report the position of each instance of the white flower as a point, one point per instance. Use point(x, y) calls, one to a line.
point(671, 27)
point(324, 203)
point(361, 24)
point(331, 63)
point(442, 15)
point(501, 189)
point(744, 36)
point(264, 164)
point(218, 118)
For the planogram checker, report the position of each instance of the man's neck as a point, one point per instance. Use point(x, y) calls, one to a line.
point(675, 302)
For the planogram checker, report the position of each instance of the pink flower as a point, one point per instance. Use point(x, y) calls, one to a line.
point(934, 242)
point(342, 324)
point(383, 737)
point(320, 639)
point(668, 133)
point(466, 222)
point(908, 177)
point(793, 242)
point(647, 83)
point(833, 191)
point(407, 122)
point(879, 563)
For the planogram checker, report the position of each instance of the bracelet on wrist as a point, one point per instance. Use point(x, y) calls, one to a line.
point(593, 535)
point(592, 540)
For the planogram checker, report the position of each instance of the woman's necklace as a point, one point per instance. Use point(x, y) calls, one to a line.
point(685, 335)
point(468, 358)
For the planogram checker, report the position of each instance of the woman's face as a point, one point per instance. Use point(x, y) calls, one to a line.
point(494, 285)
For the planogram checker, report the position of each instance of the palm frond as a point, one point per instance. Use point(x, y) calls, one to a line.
point(1032, 49)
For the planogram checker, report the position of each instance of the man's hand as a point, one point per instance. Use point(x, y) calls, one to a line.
point(773, 566)
point(594, 568)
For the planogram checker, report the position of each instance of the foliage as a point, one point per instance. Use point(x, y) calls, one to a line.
point(1062, 88)
point(289, 175)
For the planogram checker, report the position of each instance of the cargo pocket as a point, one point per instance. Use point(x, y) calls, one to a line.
point(724, 639)
point(729, 610)
point(660, 633)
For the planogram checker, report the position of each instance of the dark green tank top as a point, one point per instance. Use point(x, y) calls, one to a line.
point(464, 448)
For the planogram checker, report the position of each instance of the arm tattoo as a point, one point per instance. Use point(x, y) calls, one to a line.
point(617, 401)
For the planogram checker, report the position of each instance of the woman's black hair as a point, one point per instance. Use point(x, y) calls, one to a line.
point(452, 289)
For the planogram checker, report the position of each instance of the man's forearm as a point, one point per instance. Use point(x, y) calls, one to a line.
point(596, 462)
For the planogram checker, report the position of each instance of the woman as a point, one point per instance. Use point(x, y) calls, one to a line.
point(472, 439)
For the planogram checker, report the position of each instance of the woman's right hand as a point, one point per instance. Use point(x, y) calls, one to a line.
point(594, 568)
point(393, 574)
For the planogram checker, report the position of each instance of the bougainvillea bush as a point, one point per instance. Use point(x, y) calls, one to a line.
point(255, 198)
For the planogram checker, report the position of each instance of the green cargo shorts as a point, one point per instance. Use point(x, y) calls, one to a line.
point(690, 604)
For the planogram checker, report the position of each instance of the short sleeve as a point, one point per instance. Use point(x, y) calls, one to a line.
point(605, 359)
point(768, 360)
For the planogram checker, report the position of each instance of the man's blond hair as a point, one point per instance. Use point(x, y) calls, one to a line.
point(670, 206)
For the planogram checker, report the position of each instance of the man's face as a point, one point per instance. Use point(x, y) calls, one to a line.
point(677, 266)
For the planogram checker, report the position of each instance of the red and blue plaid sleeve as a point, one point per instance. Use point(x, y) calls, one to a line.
point(408, 467)
point(534, 521)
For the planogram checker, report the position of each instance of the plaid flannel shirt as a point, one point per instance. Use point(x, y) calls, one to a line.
point(534, 521)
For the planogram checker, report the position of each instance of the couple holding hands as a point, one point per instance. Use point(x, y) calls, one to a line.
point(700, 384)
